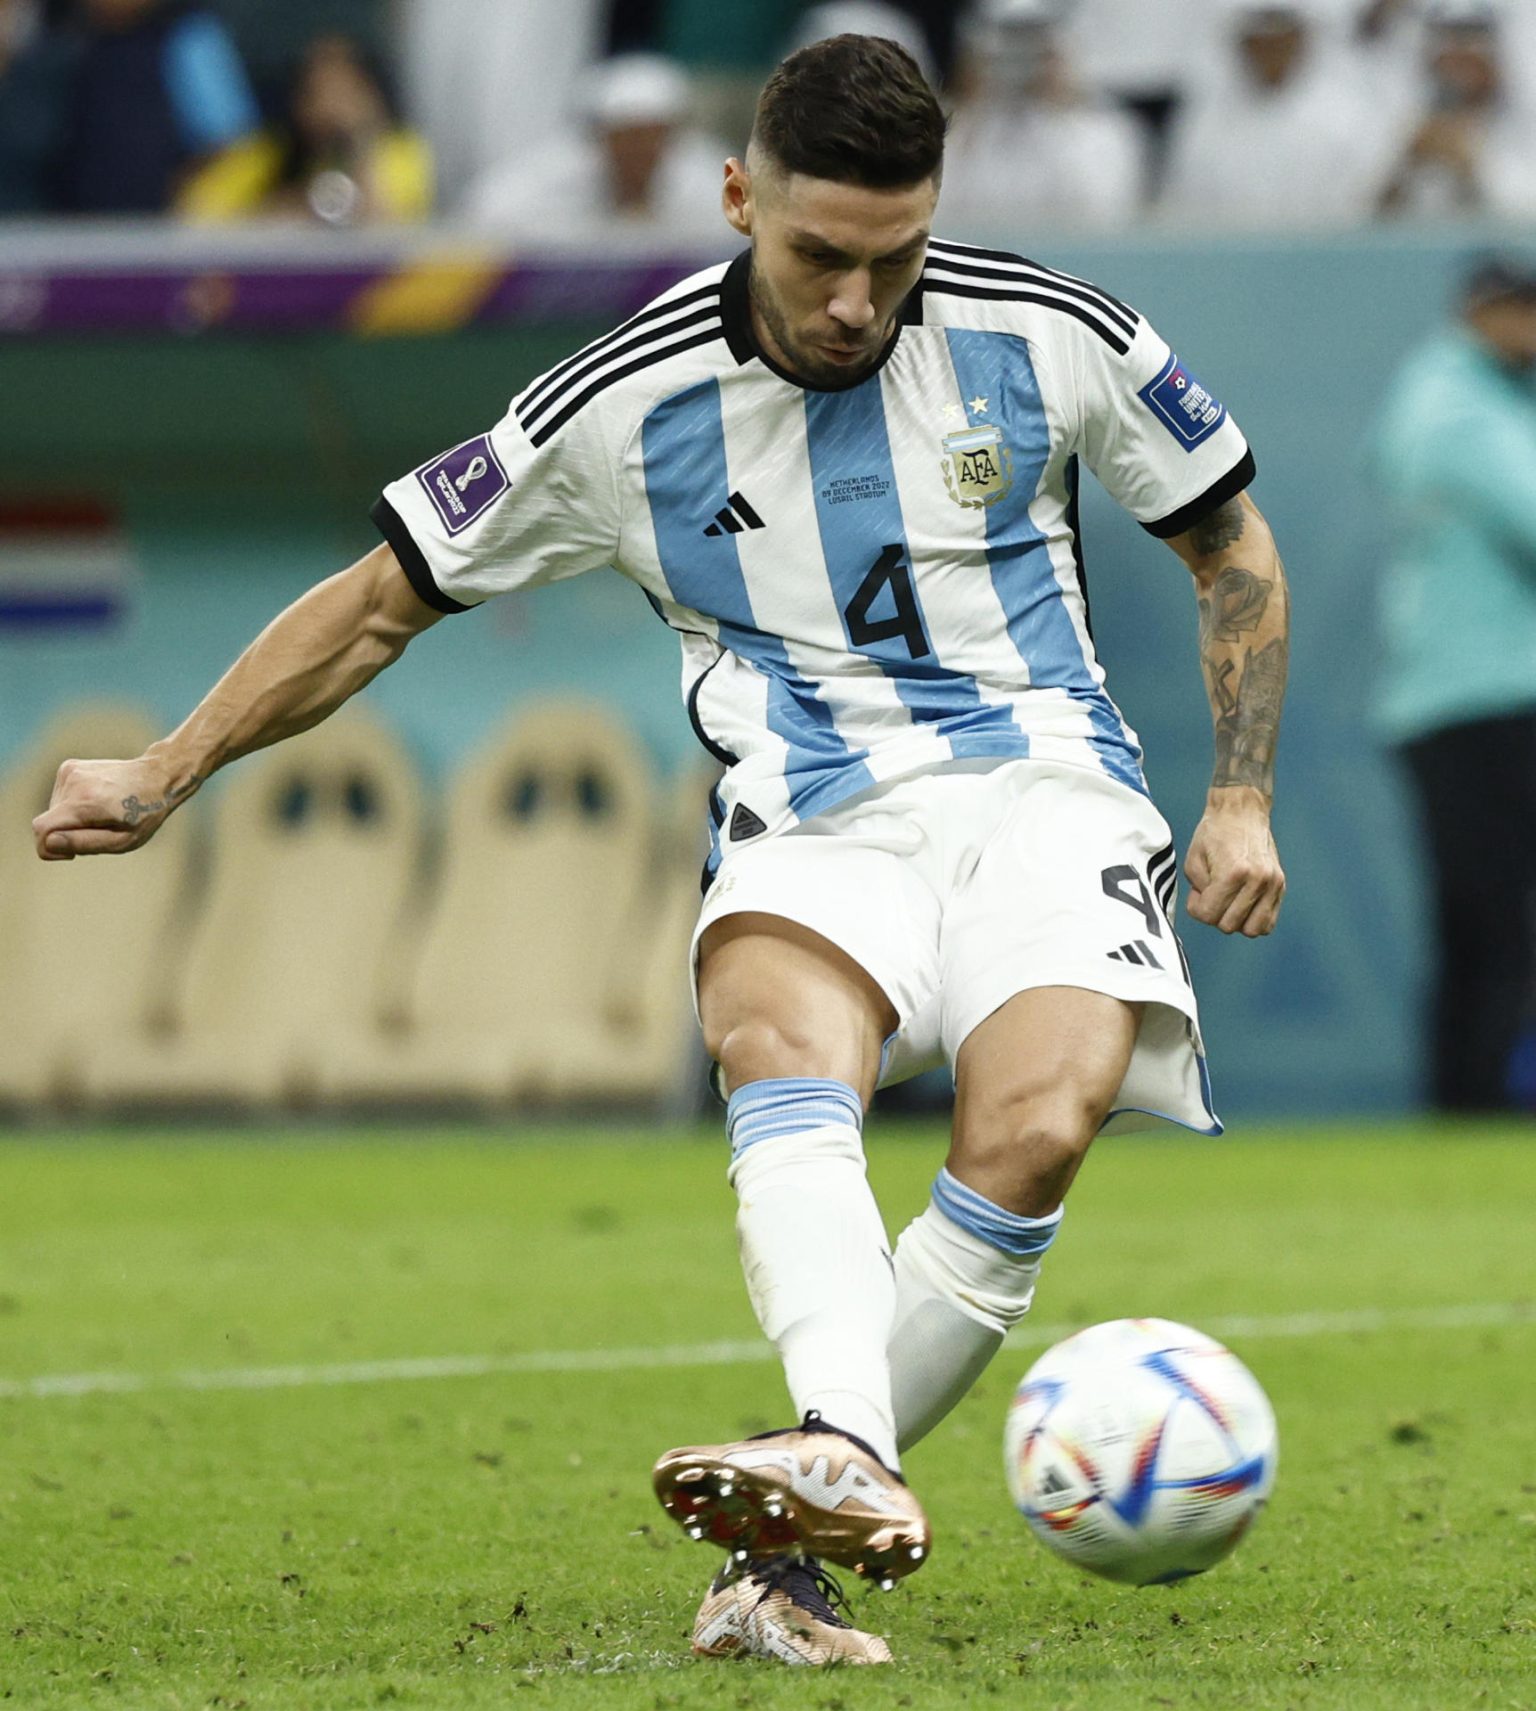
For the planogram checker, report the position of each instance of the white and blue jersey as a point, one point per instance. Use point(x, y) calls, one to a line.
point(867, 580)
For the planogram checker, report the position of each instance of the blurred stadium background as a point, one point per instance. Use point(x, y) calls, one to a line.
point(225, 323)
point(199, 411)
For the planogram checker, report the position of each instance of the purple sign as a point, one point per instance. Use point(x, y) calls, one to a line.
point(463, 482)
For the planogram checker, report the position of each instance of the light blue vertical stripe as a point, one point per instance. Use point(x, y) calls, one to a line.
point(846, 436)
point(997, 367)
point(686, 482)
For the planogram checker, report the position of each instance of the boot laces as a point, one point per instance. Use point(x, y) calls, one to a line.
point(808, 1587)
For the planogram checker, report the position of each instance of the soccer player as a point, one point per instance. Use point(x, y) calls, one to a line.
point(844, 467)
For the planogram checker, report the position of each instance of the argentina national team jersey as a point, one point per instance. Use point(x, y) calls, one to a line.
point(869, 580)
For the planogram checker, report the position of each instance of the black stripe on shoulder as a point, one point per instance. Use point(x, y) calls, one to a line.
point(413, 561)
point(1045, 281)
point(655, 312)
point(1078, 311)
point(970, 252)
point(1231, 484)
point(552, 425)
point(529, 411)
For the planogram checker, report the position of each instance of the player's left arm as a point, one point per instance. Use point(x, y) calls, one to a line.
point(1236, 881)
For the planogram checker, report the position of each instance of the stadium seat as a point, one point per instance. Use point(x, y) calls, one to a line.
point(316, 845)
point(541, 963)
point(88, 944)
point(653, 1053)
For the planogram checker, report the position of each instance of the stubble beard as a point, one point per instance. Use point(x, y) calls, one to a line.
point(806, 364)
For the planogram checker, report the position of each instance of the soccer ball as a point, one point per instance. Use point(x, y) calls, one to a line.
point(1141, 1450)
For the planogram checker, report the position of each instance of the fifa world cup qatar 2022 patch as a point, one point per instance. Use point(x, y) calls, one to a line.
point(463, 482)
point(1183, 405)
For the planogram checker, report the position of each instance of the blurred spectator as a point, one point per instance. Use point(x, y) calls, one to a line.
point(726, 64)
point(1392, 33)
point(159, 87)
point(340, 154)
point(1455, 452)
point(1026, 144)
point(488, 81)
point(35, 72)
point(273, 34)
point(1143, 58)
point(1472, 149)
point(633, 161)
point(1278, 137)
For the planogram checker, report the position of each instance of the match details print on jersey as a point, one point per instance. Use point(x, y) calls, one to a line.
point(866, 580)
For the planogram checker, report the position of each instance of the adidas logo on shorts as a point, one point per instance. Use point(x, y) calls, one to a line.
point(745, 824)
point(1139, 953)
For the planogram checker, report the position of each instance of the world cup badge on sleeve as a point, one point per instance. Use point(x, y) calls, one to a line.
point(978, 467)
point(463, 482)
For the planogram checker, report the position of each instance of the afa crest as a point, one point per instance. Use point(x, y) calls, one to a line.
point(978, 467)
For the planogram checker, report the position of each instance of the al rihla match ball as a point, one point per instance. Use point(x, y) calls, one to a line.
point(1141, 1450)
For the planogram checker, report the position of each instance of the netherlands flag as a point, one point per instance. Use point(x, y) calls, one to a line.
point(66, 565)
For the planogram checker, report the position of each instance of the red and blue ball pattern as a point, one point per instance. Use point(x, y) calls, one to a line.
point(1141, 1450)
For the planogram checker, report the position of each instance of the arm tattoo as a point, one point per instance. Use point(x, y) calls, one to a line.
point(1235, 605)
point(135, 811)
point(1248, 720)
point(1222, 528)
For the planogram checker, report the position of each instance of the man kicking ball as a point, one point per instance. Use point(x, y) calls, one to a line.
point(844, 468)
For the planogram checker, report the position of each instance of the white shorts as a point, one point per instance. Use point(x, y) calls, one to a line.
point(957, 888)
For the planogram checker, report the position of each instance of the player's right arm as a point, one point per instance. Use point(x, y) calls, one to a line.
point(299, 670)
point(534, 500)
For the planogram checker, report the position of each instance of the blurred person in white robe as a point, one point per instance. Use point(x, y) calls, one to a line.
point(1282, 137)
point(1028, 146)
point(632, 162)
point(1470, 149)
point(487, 80)
point(1143, 58)
point(1391, 34)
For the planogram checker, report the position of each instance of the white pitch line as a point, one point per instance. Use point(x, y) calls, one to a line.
point(1236, 1328)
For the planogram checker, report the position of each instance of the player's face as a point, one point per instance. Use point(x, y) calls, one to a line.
point(831, 266)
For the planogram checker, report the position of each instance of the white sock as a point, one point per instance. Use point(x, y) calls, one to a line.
point(814, 1249)
point(959, 1291)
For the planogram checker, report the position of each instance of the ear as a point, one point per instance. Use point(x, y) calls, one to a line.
point(736, 196)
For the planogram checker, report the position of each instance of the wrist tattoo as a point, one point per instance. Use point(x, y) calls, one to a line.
point(135, 811)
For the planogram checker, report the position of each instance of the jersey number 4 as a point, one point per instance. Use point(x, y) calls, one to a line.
point(890, 571)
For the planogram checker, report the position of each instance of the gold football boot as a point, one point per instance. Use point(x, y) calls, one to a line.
point(784, 1608)
point(809, 1490)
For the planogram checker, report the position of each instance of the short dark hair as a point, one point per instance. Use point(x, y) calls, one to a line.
point(853, 109)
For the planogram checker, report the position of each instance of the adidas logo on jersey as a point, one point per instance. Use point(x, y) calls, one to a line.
point(736, 516)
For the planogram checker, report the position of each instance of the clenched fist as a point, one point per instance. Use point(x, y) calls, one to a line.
point(106, 807)
point(1235, 878)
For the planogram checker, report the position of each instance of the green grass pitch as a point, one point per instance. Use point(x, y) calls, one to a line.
point(229, 1493)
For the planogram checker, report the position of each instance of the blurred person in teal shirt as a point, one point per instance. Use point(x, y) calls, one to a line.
point(1455, 453)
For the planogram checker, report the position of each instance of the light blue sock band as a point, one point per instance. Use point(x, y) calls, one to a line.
point(1024, 1238)
point(764, 1110)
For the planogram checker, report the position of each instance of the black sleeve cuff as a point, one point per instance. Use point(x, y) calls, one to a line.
point(413, 561)
point(1230, 485)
